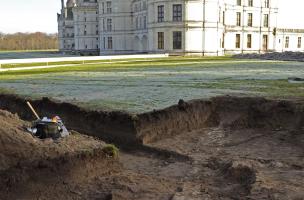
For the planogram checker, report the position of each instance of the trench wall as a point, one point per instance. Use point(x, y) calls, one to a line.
point(112, 127)
point(224, 112)
point(125, 129)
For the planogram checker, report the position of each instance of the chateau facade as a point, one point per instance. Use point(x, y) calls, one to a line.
point(201, 27)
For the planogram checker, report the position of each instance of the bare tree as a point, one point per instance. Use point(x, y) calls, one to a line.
point(28, 41)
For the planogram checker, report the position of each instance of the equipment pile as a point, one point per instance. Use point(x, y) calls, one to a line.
point(47, 128)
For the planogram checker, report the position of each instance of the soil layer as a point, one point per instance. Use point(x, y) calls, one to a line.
point(221, 148)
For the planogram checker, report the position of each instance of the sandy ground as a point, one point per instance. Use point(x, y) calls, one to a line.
point(240, 158)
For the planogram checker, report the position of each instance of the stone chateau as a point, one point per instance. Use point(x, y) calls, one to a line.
point(201, 27)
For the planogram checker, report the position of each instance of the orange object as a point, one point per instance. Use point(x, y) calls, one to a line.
point(55, 119)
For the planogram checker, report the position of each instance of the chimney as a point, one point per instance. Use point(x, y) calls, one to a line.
point(62, 4)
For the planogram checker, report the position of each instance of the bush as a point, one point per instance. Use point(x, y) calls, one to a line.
point(111, 151)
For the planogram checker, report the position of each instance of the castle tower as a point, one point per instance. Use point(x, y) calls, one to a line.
point(66, 26)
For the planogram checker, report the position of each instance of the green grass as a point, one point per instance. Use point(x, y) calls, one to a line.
point(6, 91)
point(111, 151)
point(140, 85)
point(9, 66)
point(170, 59)
point(117, 64)
point(269, 88)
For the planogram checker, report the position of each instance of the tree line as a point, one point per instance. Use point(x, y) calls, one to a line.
point(28, 41)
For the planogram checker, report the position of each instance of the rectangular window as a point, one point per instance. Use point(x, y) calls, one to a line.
point(161, 40)
point(299, 42)
point(177, 12)
point(137, 23)
point(145, 22)
point(287, 42)
point(160, 13)
point(265, 42)
point(266, 20)
point(110, 43)
point(102, 8)
point(109, 7)
point(250, 3)
point(238, 19)
point(249, 41)
point(109, 24)
point(238, 41)
point(250, 19)
point(238, 2)
point(177, 40)
point(145, 5)
point(266, 3)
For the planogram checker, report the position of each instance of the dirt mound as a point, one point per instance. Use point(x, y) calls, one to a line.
point(15, 143)
point(284, 56)
point(18, 147)
point(76, 167)
point(26, 159)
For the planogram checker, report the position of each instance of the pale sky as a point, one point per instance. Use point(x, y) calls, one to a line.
point(41, 15)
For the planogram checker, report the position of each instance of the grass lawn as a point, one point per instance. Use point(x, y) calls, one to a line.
point(145, 84)
point(119, 61)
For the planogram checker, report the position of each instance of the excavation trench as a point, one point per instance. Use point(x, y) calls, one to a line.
point(129, 130)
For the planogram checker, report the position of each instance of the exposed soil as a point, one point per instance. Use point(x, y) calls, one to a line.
point(71, 168)
point(221, 148)
point(284, 56)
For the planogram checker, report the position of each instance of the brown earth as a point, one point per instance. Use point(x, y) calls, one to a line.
point(75, 167)
point(221, 148)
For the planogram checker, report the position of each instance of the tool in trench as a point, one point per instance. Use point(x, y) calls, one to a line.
point(33, 110)
point(47, 128)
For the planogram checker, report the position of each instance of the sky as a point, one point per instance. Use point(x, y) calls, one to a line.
point(41, 15)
